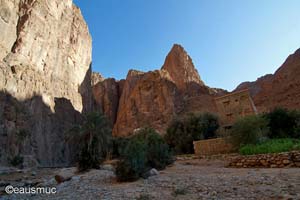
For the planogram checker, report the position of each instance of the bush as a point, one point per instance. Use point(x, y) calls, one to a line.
point(283, 123)
point(134, 161)
point(119, 144)
point(183, 131)
point(17, 161)
point(178, 138)
point(271, 146)
point(144, 150)
point(158, 152)
point(248, 130)
point(94, 138)
point(297, 128)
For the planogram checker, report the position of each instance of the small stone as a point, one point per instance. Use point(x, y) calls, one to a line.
point(107, 167)
point(59, 179)
point(75, 178)
point(153, 172)
point(285, 161)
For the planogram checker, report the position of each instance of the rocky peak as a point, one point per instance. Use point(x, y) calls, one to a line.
point(148, 99)
point(181, 68)
point(96, 78)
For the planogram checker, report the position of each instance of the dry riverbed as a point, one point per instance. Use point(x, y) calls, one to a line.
point(186, 179)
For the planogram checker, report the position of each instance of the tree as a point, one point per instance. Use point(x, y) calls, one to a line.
point(283, 123)
point(183, 131)
point(248, 130)
point(93, 138)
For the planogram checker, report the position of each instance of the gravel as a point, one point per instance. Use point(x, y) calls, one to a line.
point(186, 179)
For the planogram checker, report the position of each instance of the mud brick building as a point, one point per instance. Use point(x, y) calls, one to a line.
point(234, 106)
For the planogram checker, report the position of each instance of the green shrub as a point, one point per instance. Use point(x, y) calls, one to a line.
point(248, 130)
point(183, 131)
point(17, 161)
point(297, 128)
point(206, 126)
point(271, 146)
point(144, 150)
point(180, 191)
point(158, 152)
point(133, 154)
point(119, 144)
point(178, 138)
point(94, 138)
point(283, 123)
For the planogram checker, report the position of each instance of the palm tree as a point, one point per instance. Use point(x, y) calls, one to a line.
point(93, 138)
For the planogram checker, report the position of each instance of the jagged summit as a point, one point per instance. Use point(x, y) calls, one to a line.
point(181, 68)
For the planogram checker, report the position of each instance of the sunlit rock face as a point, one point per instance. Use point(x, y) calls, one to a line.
point(148, 99)
point(153, 98)
point(181, 68)
point(45, 54)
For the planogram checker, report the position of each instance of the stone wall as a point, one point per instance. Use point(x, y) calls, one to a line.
point(212, 147)
point(276, 160)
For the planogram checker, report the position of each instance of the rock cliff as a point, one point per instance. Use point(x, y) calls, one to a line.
point(148, 99)
point(154, 98)
point(45, 57)
point(281, 89)
point(106, 95)
point(181, 69)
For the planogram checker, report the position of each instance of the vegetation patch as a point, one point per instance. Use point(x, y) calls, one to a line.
point(144, 150)
point(17, 161)
point(94, 140)
point(271, 146)
point(249, 130)
point(180, 191)
point(283, 123)
point(183, 131)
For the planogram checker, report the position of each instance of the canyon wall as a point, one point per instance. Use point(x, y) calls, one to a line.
point(153, 98)
point(281, 89)
point(45, 78)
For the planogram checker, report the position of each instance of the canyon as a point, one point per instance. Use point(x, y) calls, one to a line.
point(154, 98)
point(47, 85)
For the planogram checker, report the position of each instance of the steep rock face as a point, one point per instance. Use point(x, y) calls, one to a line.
point(45, 56)
point(282, 89)
point(106, 95)
point(154, 98)
point(181, 69)
point(148, 99)
point(96, 78)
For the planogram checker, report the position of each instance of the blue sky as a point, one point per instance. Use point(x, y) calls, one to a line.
point(230, 41)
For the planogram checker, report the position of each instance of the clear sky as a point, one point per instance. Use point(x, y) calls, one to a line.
point(230, 41)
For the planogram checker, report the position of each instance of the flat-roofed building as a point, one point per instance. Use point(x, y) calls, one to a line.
point(234, 106)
